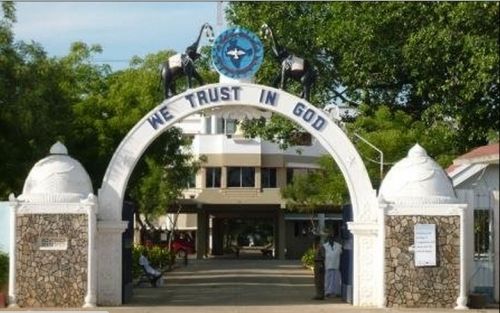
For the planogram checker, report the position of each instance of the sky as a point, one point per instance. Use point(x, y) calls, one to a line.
point(4, 226)
point(123, 29)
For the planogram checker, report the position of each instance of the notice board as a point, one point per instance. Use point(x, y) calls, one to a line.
point(425, 245)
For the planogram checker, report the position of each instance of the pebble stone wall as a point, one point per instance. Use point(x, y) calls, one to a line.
point(430, 287)
point(51, 278)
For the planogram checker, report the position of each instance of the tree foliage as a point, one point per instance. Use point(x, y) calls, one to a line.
point(422, 72)
point(395, 132)
point(318, 188)
point(437, 61)
point(160, 180)
point(86, 106)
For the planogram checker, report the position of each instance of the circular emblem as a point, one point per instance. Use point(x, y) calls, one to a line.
point(237, 53)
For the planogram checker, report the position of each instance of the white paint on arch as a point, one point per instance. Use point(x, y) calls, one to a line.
point(176, 109)
point(368, 241)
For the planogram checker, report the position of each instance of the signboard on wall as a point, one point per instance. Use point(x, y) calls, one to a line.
point(425, 245)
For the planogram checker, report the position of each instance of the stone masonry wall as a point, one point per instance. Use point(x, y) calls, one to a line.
point(51, 278)
point(431, 287)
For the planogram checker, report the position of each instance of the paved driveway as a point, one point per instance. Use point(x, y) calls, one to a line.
point(246, 286)
point(240, 286)
point(225, 282)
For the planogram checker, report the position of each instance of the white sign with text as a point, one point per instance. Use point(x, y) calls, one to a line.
point(425, 245)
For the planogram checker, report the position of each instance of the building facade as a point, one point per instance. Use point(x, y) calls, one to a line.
point(238, 186)
point(475, 176)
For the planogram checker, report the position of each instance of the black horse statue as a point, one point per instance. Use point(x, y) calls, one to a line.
point(183, 63)
point(292, 66)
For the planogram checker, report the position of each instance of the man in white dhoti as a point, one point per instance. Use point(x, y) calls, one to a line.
point(333, 250)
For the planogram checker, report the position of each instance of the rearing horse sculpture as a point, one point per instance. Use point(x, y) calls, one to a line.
point(183, 63)
point(292, 66)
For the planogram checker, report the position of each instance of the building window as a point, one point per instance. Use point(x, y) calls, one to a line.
point(303, 229)
point(230, 127)
point(268, 177)
point(482, 221)
point(213, 175)
point(208, 125)
point(289, 175)
point(221, 126)
point(241, 177)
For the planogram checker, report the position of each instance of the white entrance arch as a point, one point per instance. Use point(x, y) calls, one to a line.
point(368, 241)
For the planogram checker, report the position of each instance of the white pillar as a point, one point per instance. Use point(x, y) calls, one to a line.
point(91, 298)
point(381, 255)
point(223, 177)
point(203, 124)
point(213, 123)
point(496, 254)
point(467, 196)
point(366, 282)
point(258, 178)
point(12, 253)
point(462, 298)
point(109, 264)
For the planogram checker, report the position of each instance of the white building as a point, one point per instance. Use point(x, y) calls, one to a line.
point(241, 180)
point(475, 177)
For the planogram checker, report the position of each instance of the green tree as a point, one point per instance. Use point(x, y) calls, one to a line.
point(72, 99)
point(395, 132)
point(437, 61)
point(115, 105)
point(166, 174)
point(4, 271)
point(105, 116)
point(317, 188)
point(36, 97)
point(302, 193)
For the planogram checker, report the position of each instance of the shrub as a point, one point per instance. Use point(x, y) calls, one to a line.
point(308, 258)
point(136, 253)
point(158, 257)
point(4, 269)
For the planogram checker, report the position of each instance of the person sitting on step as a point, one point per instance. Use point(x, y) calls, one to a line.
point(152, 273)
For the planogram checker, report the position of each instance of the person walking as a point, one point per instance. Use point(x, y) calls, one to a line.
point(333, 250)
point(319, 269)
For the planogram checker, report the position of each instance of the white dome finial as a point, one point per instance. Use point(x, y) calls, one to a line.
point(57, 178)
point(58, 148)
point(417, 152)
point(417, 179)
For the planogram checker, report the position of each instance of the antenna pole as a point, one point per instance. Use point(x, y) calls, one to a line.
point(379, 151)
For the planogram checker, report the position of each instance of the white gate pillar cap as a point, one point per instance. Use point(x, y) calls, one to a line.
point(57, 178)
point(417, 179)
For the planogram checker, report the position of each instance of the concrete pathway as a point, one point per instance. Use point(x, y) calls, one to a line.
point(224, 282)
point(240, 286)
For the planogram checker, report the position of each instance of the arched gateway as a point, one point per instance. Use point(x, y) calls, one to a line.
point(368, 243)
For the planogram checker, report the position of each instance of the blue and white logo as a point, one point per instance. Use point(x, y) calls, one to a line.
point(237, 53)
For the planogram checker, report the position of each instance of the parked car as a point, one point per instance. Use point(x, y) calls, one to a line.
point(182, 245)
point(178, 245)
